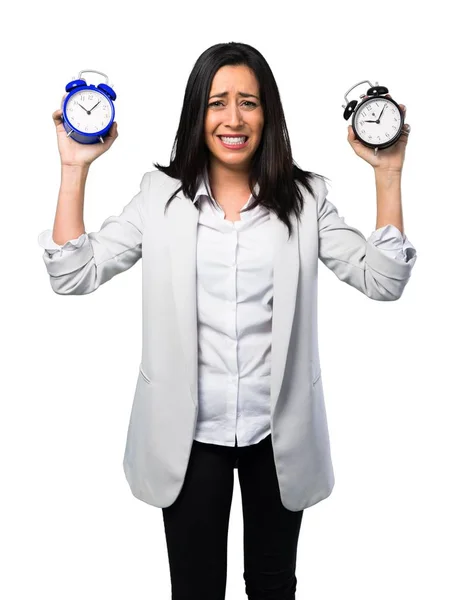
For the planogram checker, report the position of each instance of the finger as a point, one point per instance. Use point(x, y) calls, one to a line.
point(113, 130)
point(112, 134)
point(405, 133)
point(352, 139)
point(57, 116)
point(401, 106)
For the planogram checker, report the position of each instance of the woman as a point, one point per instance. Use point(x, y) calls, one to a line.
point(229, 305)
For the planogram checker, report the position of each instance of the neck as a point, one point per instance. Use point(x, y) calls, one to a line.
point(233, 179)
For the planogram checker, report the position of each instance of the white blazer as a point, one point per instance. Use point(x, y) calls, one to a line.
point(165, 407)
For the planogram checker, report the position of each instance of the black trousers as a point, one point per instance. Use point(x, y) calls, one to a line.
point(196, 525)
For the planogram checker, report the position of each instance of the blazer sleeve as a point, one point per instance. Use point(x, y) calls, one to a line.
point(81, 265)
point(354, 259)
point(391, 241)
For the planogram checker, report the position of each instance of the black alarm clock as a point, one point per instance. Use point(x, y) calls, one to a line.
point(377, 121)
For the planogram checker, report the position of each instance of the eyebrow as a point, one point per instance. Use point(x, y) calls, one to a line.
point(244, 94)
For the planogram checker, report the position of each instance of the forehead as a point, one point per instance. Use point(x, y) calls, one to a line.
point(231, 77)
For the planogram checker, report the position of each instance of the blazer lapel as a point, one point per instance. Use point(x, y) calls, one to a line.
point(183, 218)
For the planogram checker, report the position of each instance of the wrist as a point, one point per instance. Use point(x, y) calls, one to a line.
point(385, 171)
point(74, 173)
point(75, 167)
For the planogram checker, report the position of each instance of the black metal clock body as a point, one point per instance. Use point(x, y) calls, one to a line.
point(377, 121)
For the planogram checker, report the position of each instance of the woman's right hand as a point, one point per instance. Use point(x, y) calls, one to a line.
point(73, 153)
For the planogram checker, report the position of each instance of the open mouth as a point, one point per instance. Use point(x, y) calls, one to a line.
point(233, 141)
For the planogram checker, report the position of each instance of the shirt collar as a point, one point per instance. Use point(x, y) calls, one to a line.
point(205, 190)
point(204, 187)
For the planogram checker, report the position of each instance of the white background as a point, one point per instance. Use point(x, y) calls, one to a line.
point(70, 527)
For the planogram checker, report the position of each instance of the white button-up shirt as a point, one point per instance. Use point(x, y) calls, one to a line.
point(234, 300)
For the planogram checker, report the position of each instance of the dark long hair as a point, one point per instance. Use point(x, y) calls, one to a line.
point(272, 165)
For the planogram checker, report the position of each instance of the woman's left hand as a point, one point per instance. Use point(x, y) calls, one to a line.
point(389, 159)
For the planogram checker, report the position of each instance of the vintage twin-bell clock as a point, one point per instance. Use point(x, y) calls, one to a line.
point(88, 110)
point(377, 121)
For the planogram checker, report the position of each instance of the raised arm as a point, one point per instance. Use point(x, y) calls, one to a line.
point(79, 262)
point(357, 261)
point(81, 267)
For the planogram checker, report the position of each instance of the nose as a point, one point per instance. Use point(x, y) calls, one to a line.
point(234, 115)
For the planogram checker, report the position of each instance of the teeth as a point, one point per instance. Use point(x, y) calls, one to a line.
point(233, 140)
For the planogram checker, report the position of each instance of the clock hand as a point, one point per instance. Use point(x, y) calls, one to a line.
point(83, 107)
point(95, 105)
point(382, 112)
point(378, 119)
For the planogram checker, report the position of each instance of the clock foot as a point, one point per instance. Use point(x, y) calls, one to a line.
point(70, 133)
point(101, 139)
point(375, 151)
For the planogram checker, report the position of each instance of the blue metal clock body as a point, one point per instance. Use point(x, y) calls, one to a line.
point(89, 117)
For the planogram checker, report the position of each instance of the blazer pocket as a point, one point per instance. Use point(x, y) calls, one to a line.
point(144, 376)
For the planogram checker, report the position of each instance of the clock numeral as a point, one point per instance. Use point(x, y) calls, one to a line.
point(363, 131)
point(394, 127)
point(387, 135)
point(371, 137)
point(86, 128)
point(369, 107)
point(90, 96)
point(363, 114)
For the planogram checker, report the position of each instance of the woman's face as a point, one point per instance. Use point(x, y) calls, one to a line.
point(234, 109)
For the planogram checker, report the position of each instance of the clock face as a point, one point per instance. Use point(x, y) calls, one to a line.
point(88, 111)
point(377, 120)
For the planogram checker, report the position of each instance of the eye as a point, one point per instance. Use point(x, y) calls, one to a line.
point(216, 102)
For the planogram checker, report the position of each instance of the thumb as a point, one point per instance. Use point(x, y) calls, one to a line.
point(352, 139)
point(112, 134)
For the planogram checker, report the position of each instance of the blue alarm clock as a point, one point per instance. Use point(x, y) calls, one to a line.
point(88, 110)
